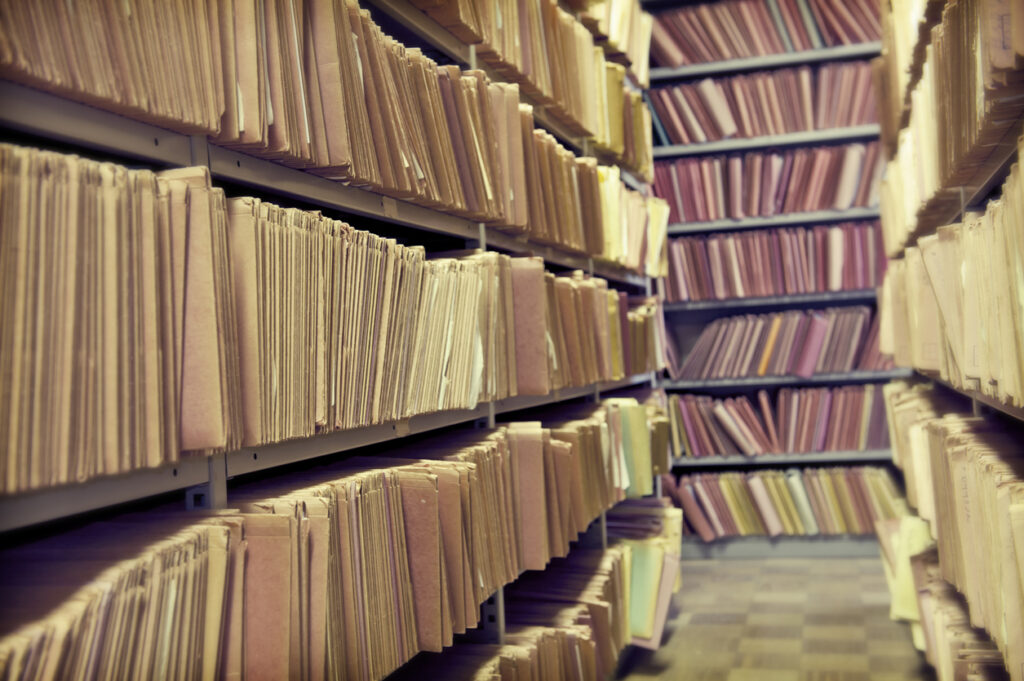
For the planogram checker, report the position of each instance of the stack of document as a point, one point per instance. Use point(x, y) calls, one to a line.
point(792, 343)
point(803, 420)
point(721, 31)
point(966, 478)
point(965, 116)
point(553, 57)
point(163, 318)
point(764, 103)
point(978, 478)
point(652, 531)
point(901, 539)
point(623, 28)
point(588, 587)
point(118, 324)
point(624, 226)
point(766, 183)
point(291, 582)
point(319, 86)
point(910, 407)
point(130, 597)
point(569, 622)
point(796, 502)
point(957, 650)
point(776, 262)
point(955, 302)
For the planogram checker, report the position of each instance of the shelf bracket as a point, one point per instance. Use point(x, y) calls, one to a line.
point(199, 150)
point(213, 494)
point(492, 617)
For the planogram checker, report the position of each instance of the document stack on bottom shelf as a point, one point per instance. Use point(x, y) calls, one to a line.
point(291, 581)
point(961, 562)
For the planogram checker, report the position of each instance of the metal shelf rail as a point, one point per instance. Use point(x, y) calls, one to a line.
point(756, 382)
point(31, 508)
point(792, 139)
point(784, 220)
point(771, 61)
point(775, 302)
point(837, 458)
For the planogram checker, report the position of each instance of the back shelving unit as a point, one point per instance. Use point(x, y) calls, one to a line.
point(34, 117)
point(686, 318)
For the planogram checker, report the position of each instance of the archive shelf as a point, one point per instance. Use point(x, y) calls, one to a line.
point(210, 473)
point(793, 139)
point(438, 37)
point(842, 458)
point(817, 217)
point(771, 61)
point(757, 382)
point(52, 117)
point(1009, 410)
point(794, 300)
point(949, 204)
point(815, 546)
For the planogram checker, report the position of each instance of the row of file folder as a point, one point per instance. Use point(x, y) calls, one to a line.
point(906, 32)
point(737, 29)
point(809, 501)
point(301, 83)
point(776, 262)
point(554, 57)
point(954, 304)
point(573, 620)
point(765, 103)
point(803, 420)
point(569, 622)
point(968, 482)
point(766, 183)
point(149, 315)
point(624, 30)
point(964, 118)
point(793, 343)
point(586, 207)
point(345, 570)
point(957, 650)
point(936, 613)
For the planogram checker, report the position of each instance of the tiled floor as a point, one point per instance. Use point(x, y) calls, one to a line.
point(781, 620)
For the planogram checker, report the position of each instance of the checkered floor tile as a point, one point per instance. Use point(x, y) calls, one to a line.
point(781, 620)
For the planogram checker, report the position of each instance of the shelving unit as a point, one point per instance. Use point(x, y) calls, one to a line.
point(842, 458)
point(772, 61)
point(793, 139)
point(980, 399)
point(757, 382)
point(51, 117)
point(794, 300)
point(31, 116)
point(817, 217)
point(690, 317)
